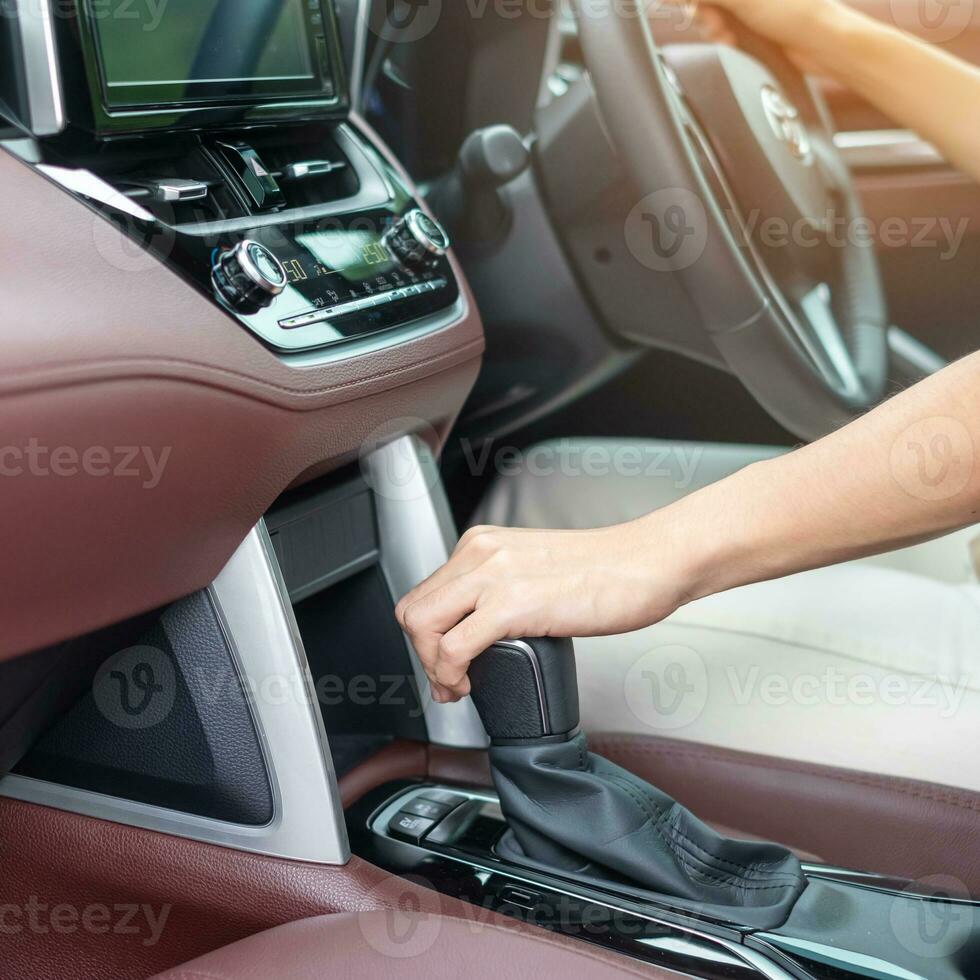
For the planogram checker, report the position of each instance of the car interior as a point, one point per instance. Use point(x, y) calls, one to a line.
point(283, 283)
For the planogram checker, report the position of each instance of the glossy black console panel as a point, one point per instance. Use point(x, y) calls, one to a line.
point(329, 230)
point(846, 924)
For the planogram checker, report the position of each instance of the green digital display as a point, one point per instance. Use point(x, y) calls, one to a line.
point(210, 51)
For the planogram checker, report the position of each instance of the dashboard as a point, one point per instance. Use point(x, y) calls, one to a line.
point(206, 252)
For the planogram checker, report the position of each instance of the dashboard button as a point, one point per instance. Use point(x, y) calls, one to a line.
point(429, 809)
point(409, 827)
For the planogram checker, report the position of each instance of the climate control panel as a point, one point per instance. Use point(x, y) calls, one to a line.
point(304, 287)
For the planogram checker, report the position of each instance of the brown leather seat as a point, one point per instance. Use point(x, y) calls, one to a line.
point(386, 945)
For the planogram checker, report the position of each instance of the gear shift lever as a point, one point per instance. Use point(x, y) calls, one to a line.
point(578, 814)
point(527, 690)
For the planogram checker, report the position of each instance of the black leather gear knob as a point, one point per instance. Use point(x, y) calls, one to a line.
point(527, 690)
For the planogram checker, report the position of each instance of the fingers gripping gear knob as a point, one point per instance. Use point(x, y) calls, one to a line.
point(574, 812)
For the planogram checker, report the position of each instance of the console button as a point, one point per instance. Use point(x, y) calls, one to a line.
point(254, 175)
point(450, 799)
point(427, 808)
point(408, 827)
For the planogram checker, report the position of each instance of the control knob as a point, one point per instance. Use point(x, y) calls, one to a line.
point(248, 277)
point(416, 240)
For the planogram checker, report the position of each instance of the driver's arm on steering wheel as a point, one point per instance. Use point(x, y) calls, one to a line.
point(906, 472)
point(917, 84)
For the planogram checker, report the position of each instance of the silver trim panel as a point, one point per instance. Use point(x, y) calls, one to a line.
point(42, 75)
point(886, 149)
point(379, 299)
point(416, 532)
point(308, 823)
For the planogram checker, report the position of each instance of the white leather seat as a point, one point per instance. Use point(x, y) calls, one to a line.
point(873, 665)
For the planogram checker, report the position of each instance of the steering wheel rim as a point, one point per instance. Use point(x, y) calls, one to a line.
point(806, 334)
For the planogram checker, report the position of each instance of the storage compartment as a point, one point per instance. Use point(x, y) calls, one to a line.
point(326, 539)
point(163, 720)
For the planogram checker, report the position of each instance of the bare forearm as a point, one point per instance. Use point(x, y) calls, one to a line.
point(915, 83)
point(905, 472)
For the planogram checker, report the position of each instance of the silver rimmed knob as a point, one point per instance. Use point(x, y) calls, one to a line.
point(416, 240)
point(249, 276)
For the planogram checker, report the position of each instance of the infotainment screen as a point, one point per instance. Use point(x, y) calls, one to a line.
point(212, 52)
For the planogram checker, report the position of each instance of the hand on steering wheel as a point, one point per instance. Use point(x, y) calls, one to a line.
point(788, 23)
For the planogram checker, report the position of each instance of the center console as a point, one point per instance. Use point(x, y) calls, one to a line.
point(221, 143)
point(266, 270)
point(844, 925)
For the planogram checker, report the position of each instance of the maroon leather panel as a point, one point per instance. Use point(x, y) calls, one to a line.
point(386, 946)
point(84, 899)
point(106, 349)
point(851, 819)
point(399, 760)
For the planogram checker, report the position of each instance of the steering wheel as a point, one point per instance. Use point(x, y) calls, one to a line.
point(732, 154)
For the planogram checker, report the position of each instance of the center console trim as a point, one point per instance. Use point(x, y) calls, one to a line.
point(308, 819)
point(417, 535)
point(748, 958)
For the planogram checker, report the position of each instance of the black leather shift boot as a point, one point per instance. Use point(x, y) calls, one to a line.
point(575, 812)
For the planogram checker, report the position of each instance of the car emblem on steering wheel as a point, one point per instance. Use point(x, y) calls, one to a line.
point(784, 118)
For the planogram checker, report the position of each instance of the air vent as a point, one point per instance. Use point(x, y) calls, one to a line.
point(180, 190)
